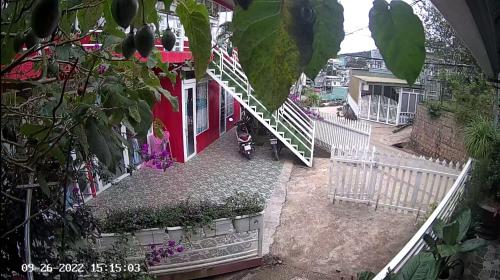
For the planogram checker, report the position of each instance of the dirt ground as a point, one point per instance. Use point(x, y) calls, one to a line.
point(335, 239)
point(320, 240)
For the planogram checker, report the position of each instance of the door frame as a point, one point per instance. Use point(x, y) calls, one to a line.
point(187, 84)
point(222, 94)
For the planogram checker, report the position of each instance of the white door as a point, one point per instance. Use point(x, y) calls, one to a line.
point(189, 117)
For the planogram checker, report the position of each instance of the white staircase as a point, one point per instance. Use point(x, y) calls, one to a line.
point(288, 123)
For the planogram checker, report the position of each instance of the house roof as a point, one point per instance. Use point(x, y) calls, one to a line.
point(381, 80)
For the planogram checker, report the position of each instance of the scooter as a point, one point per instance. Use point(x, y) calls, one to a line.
point(244, 138)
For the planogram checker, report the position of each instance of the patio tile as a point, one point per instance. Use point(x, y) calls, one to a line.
point(216, 173)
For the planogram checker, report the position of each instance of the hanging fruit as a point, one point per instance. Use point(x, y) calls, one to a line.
point(128, 45)
point(168, 39)
point(124, 11)
point(144, 40)
point(44, 17)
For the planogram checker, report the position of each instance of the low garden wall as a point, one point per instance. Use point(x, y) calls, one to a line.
point(438, 137)
point(188, 237)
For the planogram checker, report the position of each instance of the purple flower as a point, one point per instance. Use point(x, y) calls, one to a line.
point(170, 251)
point(156, 259)
point(102, 68)
point(180, 249)
point(171, 243)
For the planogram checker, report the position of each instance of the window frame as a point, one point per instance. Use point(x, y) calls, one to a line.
point(227, 96)
point(204, 81)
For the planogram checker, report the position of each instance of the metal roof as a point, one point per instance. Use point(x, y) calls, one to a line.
point(381, 80)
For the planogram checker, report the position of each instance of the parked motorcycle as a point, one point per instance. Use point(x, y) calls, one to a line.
point(245, 143)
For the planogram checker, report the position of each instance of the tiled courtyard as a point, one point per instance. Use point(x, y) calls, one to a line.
point(214, 174)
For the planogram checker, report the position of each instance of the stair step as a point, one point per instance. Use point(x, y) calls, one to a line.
point(282, 134)
point(260, 114)
point(254, 108)
point(233, 89)
point(218, 76)
point(274, 127)
point(302, 153)
point(288, 140)
point(211, 70)
point(295, 146)
point(239, 95)
point(267, 121)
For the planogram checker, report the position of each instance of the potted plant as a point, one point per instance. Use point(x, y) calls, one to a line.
point(482, 141)
point(442, 260)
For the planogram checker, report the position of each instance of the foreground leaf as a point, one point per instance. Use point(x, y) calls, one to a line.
point(472, 244)
point(399, 35)
point(420, 267)
point(194, 18)
point(328, 34)
point(463, 220)
point(266, 51)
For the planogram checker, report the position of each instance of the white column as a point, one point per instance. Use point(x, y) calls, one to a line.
point(126, 159)
point(399, 105)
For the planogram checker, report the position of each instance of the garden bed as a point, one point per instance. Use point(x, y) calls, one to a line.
point(189, 236)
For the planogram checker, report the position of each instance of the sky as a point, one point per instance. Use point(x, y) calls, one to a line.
point(355, 18)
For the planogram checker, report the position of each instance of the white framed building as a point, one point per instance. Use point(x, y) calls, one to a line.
point(382, 97)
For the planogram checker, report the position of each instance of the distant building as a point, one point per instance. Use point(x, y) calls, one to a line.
point(381, 97)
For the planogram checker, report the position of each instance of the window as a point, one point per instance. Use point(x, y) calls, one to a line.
point(229, 104)
point(201, 107)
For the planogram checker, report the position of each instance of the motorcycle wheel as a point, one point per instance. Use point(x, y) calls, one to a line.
point(248, 156)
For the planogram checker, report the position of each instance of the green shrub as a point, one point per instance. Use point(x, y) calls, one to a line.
point(185, 214)
point(434, 108)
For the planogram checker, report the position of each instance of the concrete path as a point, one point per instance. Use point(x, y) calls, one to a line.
point(316, 239)
point(217, 172)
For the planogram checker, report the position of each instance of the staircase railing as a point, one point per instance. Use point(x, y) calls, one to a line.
point(287, 122)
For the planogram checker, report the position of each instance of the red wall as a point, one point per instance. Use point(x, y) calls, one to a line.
point(207, 137)
point(172, 120)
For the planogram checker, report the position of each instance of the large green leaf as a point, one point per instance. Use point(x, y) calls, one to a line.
point(420, 267)
point(472, 244)
point(142, 127)
point(194, 18)
point(328, 34)
point(267, 52)
point(399, 35)
point(103, 142)
point(463, 220)
point(437, 228)
point(447, 250)
point(450, 233)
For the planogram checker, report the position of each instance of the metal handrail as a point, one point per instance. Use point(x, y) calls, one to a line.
point(222, 56)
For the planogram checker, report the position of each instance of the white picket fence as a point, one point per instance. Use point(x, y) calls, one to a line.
point(397, 181)
point(443, 211)
point(332, 130)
